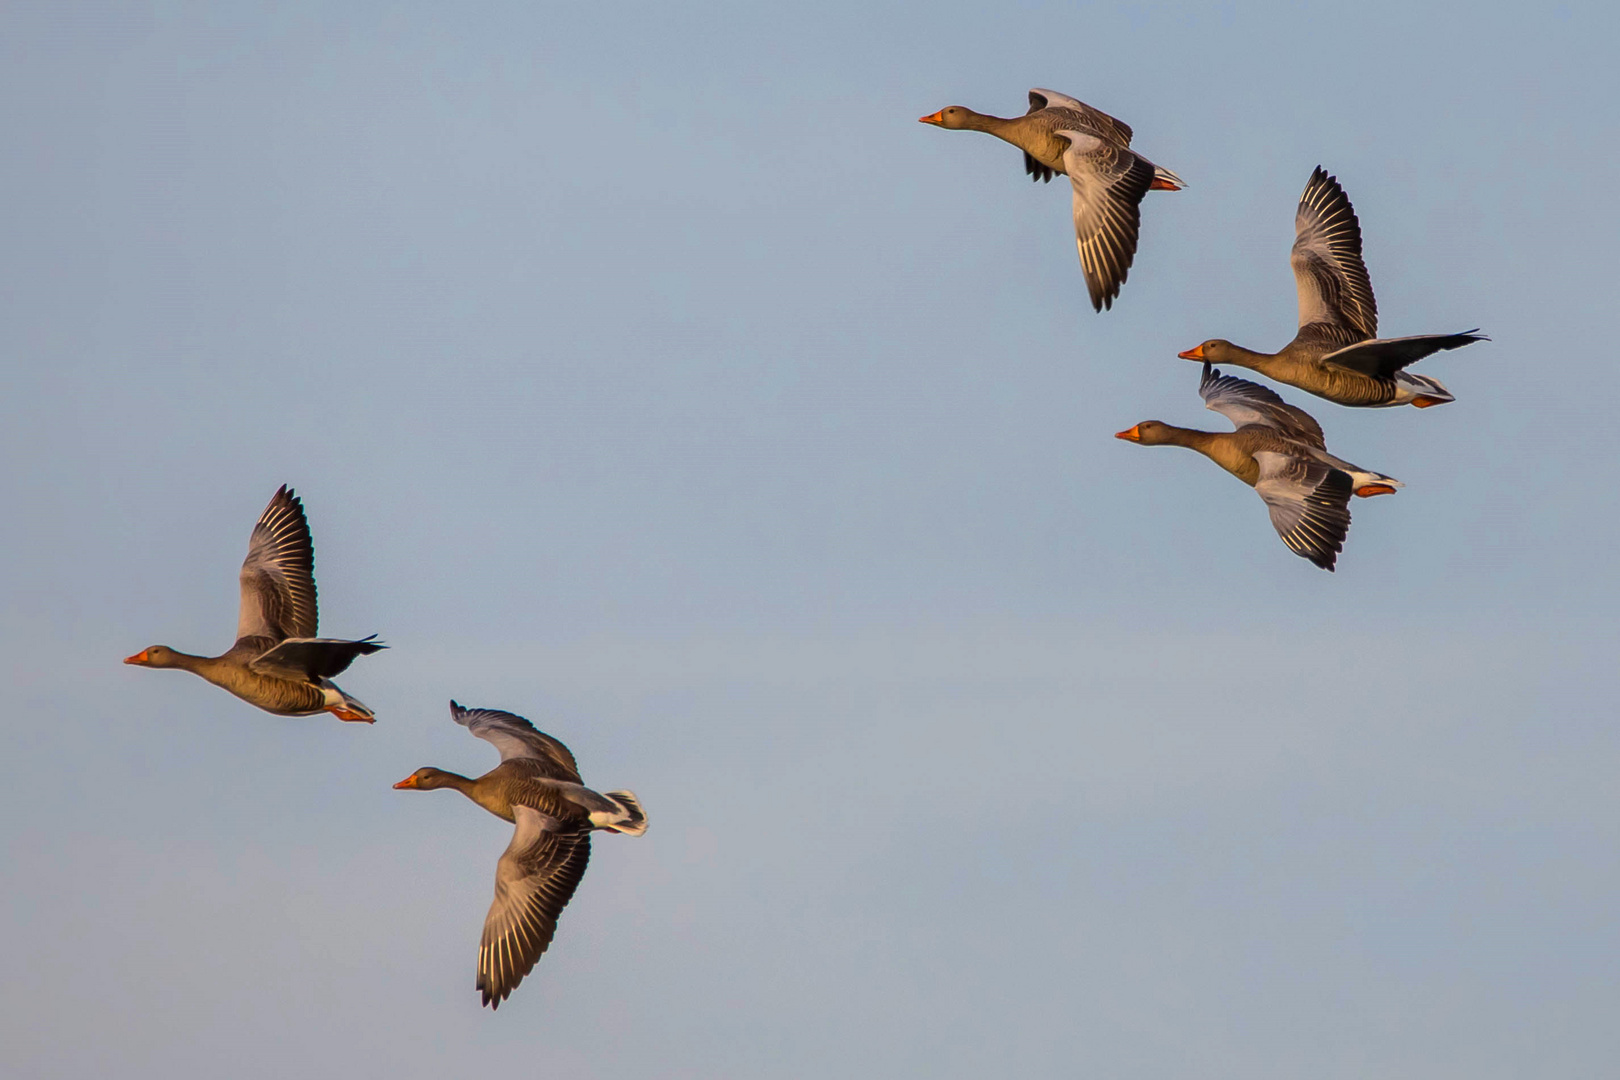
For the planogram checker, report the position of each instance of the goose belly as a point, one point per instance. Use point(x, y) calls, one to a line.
point(279, 696)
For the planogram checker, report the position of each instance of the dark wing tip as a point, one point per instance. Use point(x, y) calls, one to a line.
point(492, 997)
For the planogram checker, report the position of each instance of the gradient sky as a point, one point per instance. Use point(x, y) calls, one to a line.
point(648, 370)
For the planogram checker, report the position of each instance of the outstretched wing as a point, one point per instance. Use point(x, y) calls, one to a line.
point(1309, 504)
point(515, 737)
point(1335, 295)
point(1383, 357)
point(1109, 182)
point(534, 881)
point(1244, 402)
point(313, 658)
point(278, 575)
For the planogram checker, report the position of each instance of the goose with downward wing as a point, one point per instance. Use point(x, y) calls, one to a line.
point(536, 787)
point(1062, 135)
point(1279, 451)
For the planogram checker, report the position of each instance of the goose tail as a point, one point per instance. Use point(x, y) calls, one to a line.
point(344, 706)
point(627, 816)
point(1165, 180)
point(1420, 390)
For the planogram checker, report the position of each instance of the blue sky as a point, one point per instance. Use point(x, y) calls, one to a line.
point(649, 371)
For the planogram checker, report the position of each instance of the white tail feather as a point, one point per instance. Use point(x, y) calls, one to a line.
point(628, 817)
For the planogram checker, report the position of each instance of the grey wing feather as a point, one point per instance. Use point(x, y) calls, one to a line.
point(515, 737)
point(1109, 182)
point(1335, 295)
point(278, 575)
point(534, 880)
point(1309, 504)
point(1383, 357)
point(1244, 402)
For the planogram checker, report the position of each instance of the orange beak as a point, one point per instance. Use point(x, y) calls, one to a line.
point(408, 782)
point(1130, 434)
point(138, 658)
point(1194, 353)
point(933, 118)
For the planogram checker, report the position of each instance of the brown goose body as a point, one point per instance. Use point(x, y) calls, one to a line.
point(233, 671)
point(1061, 135)
point(537, 787)
point(517, 782)
point(1232, 450)
point(1337, 353)
point(277, 662)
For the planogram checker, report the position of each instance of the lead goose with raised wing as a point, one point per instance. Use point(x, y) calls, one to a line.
point(277, 662)
point(537, 787)
point(1279, 451)
point(1337, 353)
point(1062, 135)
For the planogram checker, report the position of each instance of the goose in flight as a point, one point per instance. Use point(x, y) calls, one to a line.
point(537, 787)
point(1279, 451)
point(277, 662)
point(1337, 353)
point(1061, 135)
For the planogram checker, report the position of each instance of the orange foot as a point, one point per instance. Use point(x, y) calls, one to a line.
point(345, 714)
point(1424, 402)
point(1367, 491)
point(1162, 185)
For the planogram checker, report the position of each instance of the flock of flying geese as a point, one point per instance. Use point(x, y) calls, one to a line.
point(279, 664)
point(1277, 449)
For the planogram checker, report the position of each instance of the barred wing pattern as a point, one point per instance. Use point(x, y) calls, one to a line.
point(1109, 182)
point(1309, 504)
point(1335, 295)
point(534, 881)
point(278, 575)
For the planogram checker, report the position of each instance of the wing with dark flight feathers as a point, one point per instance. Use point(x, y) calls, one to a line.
point(1309, 503)
point(313, 658)
point(1244, 402)
point(1383, 357)
point(278, 575)
point(534, 881)
point(1109, 182)
point(515, 737)
point(1335, 295)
